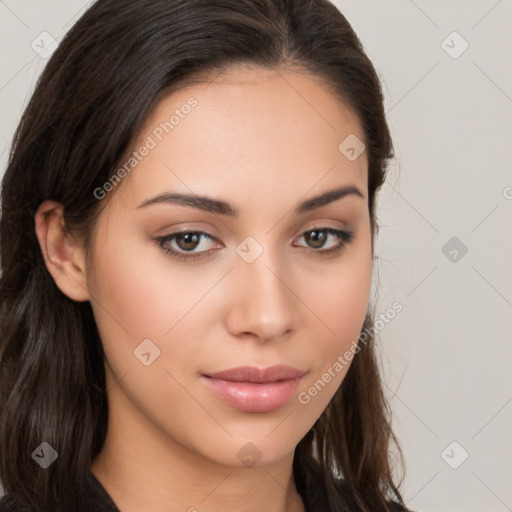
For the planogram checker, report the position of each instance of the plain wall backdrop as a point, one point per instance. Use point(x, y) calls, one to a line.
point(445, 241)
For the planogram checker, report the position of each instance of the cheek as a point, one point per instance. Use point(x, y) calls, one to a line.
point(139, 295)
point(341, 303)
point(342, 293)
point(138, 292)
point(346, 301)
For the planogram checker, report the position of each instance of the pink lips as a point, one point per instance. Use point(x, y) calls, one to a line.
point(251, 389)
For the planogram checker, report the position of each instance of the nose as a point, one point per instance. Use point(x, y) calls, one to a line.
point(262, 303)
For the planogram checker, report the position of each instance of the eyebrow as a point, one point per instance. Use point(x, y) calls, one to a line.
point(222, 208)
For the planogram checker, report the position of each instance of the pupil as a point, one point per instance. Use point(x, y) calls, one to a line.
point(191, 240)
point(317, 240)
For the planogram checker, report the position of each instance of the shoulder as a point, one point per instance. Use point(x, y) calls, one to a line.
point(344, 490)
point(317, 489)
point(7, 504)
point(396, 507)
point(92, 497)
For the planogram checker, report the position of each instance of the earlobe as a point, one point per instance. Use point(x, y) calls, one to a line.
point(64, 256)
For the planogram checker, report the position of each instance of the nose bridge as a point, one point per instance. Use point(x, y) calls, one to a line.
point(262, 303)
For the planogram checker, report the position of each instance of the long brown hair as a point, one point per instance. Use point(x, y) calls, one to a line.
point(89, 104)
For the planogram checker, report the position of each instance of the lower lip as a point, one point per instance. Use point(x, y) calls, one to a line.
point(252, 396)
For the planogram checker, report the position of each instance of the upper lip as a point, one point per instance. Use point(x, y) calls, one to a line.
point(254, 374)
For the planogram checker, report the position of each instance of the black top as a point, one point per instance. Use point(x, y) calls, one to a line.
point(98, 500)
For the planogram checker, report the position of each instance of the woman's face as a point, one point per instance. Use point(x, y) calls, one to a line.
point(265, 281)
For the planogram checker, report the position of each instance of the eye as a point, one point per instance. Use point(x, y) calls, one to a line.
point(317, 238)
point(185, 244)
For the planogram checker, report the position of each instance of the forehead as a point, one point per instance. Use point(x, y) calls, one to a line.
point(248, 130)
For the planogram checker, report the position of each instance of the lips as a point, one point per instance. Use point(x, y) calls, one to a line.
point(253, 374)
point(252, 389)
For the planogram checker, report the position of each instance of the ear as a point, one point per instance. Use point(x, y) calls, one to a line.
point(63, 255)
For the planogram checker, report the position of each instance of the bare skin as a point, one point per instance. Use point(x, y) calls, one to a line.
point(263, 141)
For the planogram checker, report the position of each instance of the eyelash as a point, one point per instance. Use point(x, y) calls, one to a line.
point(345, 238)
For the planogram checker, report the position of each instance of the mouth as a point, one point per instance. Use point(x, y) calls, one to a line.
point(252, 389)
point(258, 375)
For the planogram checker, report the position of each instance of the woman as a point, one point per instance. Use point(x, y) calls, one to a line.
point(187, 229)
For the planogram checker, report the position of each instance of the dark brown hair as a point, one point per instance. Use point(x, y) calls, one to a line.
point(93, 97)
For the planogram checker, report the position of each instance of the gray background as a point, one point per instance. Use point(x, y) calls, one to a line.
point(446, 356)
